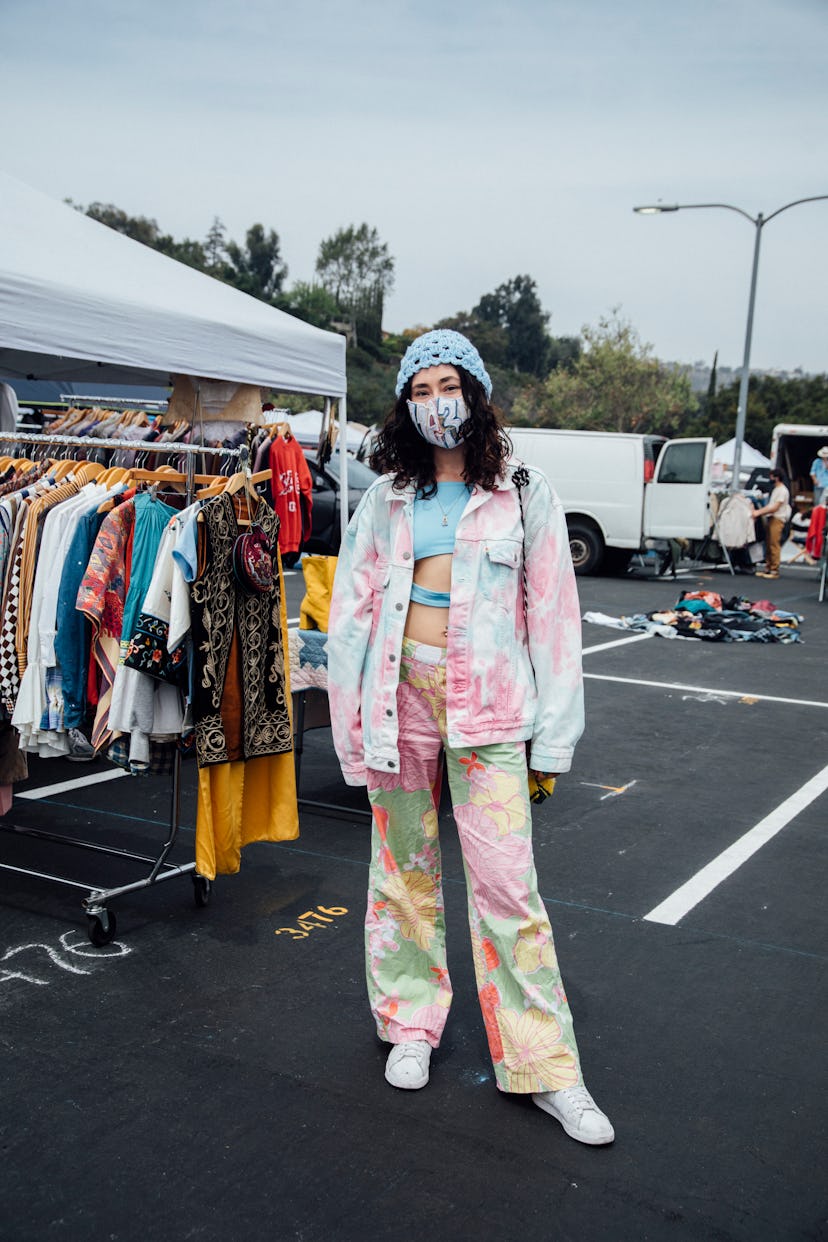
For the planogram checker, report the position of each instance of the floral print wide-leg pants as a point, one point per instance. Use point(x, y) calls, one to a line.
point(525, 1011)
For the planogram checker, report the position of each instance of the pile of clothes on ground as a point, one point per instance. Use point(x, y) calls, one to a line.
point(704, 615)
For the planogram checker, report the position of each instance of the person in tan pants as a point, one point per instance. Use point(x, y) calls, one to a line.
point(776, 513)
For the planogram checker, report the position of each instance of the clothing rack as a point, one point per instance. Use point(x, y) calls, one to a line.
point(101, 920)
point(714, 533)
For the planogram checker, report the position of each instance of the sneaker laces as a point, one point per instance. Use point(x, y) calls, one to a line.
point(418, 1049)
point(579, 1098)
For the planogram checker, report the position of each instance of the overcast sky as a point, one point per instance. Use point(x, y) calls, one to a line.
point(483, 139)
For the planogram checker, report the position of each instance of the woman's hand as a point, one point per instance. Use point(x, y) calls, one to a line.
point(545, 776)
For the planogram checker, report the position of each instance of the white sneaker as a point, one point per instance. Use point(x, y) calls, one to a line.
point(407, 1064)
point(578, 1113)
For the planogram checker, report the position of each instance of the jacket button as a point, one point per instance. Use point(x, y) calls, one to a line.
point(392, 658)
point(388, 711)
point(406, 556)
point(390, 763)
point(399, 607)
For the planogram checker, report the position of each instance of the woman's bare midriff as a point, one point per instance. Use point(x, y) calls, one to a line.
point(423, 623)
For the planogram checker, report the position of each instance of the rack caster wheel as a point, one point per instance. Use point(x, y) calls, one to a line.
point(102, 928)
point(201, 890)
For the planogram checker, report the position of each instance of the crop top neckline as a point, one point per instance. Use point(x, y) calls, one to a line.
point(431, 536)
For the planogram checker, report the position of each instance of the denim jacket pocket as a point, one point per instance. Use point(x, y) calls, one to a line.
point(499, 571)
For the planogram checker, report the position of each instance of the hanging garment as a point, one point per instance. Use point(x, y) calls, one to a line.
point(141, 706)
point(72, 641)
point(101, 599)
point(9, 668)
point(239, 803)
point(240, 692)
point(38, 713)
point(150, 650)
point(816, 530)
point(735, 521)
point(292, 492)
point(240, 700)
point(32, 535)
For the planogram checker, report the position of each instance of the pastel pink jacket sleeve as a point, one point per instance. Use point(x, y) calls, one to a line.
point(349, 634)
point(553, 617)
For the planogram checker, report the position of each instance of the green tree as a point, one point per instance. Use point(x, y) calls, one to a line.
point(311, 302)
point(139, 228)
point(257, 267)
point(215, 244)
point(515, 307)
point(771, 400)
point(145, 230)
point(489, 337)
point(358, 271)
point(615, 385)
point(509, 328)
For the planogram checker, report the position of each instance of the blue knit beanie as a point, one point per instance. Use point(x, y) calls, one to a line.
point(440, 347)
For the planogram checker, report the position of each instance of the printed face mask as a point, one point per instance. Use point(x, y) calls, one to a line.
point(439, 421)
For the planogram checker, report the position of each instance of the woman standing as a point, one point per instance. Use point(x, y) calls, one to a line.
point(455, 636)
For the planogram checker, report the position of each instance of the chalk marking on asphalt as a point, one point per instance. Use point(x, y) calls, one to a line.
point(723, 865)
point(54, 957)
point(731, 694)
point(614, 790)
point(46, 791)
point(619, 642)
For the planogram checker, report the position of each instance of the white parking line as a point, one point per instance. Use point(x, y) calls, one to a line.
point(618, 642)
point(732, 694)
point(703, 882)
point(46, 791)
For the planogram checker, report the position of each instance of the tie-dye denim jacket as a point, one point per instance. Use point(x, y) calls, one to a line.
point(513, 668)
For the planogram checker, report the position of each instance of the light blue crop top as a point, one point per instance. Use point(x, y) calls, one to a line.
point(435, 532)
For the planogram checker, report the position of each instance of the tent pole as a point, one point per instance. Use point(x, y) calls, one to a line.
point(343, 465)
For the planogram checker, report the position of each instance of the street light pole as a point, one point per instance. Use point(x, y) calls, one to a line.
point(758, 223)
point(741, 410)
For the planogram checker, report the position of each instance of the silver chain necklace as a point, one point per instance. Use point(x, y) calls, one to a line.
point(451, 508)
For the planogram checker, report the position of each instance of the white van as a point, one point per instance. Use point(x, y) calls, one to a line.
point(618, 489)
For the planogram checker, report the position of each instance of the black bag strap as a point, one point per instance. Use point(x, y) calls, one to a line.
point(520, 478)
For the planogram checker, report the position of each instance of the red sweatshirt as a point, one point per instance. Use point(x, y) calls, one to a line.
point(292, 492)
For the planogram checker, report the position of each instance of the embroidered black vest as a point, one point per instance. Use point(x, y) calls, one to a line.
point(217, 605)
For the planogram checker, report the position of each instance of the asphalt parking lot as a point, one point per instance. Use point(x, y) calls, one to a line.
point(212, 1074)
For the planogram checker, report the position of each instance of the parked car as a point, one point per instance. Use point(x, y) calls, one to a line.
point(325, 531)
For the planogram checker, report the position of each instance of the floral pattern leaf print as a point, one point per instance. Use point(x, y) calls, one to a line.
point(411, 899)
point(533, 1054)
point(534, 948)
point(498, 795)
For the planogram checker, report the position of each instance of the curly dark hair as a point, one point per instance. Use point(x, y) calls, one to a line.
point(401, 450)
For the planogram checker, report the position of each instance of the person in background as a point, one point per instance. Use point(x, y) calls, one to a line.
point(776, 513)
point(455, 637)
point(819, 474)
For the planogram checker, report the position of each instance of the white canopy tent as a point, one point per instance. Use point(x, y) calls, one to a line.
point(80, 302)
point(723, 460)
point(308, 426)
point(723, 454)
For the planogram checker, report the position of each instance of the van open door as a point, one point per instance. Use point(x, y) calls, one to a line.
point(676, 502)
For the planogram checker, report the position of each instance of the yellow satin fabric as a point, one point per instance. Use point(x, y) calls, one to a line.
point(319, 573)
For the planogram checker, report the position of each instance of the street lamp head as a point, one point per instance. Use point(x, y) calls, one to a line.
point(654, 210)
